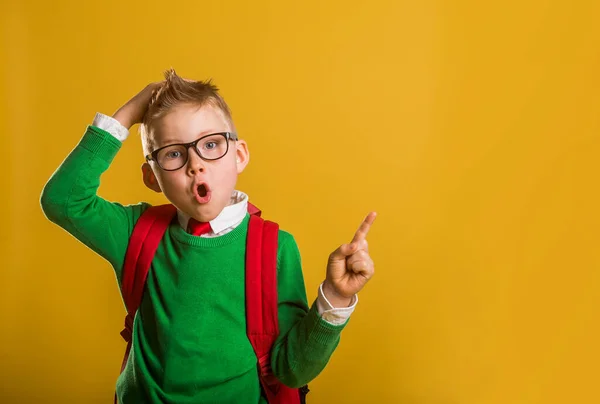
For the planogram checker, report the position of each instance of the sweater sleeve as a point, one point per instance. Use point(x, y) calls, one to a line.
point(306, 341)
point(70, 199)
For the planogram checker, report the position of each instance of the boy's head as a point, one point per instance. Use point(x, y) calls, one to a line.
point(182, 111)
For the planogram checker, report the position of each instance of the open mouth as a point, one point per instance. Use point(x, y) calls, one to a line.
point(202, 193)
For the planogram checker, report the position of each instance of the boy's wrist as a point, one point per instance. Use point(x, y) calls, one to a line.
point(123, 120)
point(335, 299)
point(111, 125)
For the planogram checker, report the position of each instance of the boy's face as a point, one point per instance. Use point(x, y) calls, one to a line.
point(200, 188)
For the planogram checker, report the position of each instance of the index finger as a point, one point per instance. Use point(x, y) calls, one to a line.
point(362, 231)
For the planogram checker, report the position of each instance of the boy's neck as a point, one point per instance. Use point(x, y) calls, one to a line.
point(231, 214)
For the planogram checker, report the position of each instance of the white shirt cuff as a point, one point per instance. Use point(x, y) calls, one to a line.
point(334, 315)
point(111, 125)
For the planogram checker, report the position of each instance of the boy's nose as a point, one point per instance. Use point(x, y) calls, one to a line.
point(195, 163)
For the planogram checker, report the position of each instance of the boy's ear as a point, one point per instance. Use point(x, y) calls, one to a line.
point(149, 178)
point(242, 155)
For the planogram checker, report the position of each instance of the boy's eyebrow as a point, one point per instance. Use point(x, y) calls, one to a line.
point(169, 141)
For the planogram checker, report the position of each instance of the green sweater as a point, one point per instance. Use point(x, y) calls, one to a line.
point(189, 334)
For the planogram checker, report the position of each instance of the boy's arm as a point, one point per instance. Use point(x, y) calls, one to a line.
point(70, 198)
point(306, 341)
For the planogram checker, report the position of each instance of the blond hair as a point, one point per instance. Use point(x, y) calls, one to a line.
point(174, 91)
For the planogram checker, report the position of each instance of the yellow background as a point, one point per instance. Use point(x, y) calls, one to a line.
point(471, 127)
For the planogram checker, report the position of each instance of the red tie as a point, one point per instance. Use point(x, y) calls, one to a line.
point(197, 228)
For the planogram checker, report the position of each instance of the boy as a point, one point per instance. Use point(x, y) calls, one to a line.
point(189, 334)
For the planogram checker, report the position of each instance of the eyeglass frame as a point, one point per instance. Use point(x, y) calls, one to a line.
point(153, 156)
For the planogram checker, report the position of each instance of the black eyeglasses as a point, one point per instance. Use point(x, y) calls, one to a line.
point(210, 147)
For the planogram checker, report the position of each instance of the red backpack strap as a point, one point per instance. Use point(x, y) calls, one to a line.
point(261, 305)
point(253, 210)
point(144, 240)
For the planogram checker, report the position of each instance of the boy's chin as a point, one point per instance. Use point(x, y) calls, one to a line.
point(206, 212)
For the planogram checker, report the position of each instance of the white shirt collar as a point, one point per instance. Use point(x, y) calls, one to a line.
point(230, 216)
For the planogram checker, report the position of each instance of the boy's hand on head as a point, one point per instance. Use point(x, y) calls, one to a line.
point(349, 267)
point(133, 111)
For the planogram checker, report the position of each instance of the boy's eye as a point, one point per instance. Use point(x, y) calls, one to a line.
point(173, 154)
point(210, 145)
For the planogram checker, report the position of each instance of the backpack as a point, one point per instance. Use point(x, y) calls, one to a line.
point(261, 289)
